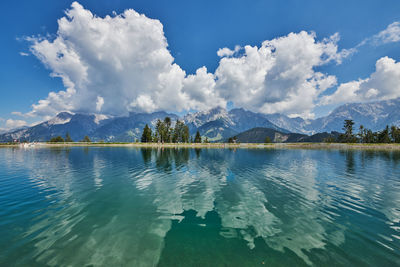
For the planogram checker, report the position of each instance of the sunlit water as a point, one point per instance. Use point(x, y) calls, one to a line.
point(188, 207)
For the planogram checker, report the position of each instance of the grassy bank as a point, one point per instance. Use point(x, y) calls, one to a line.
point(223, 145)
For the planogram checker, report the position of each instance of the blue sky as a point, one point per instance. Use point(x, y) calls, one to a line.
point(195, 31)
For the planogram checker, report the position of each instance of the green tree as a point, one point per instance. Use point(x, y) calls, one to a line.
point(370, 137)
point(146, 135)
point(167, 130)
point(362, 133)
point(383, 136)
point(159, 131)
point(330, 139)
point(232, 139)
point(197, 138)
point(185, 136)
point(178, 133)
point(57, 139)
point(395, 134)
point(348, 136)
point(163, 130)
point(86, 139)
point(206, 140)
point(267, 140)
point(68, 138)
point(155, 137)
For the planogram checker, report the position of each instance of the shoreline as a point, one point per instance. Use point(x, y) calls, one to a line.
point(335, 146)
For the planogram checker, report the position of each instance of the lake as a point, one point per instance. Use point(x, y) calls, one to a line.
point(110, 206)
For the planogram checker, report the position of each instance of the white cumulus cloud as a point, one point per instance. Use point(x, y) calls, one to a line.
point(123, 59)
point(278, 76)
point(121, 63)
point(226, 52)
point(383, 84)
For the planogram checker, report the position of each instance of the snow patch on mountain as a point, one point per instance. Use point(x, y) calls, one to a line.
point(61, 118)
point(100, 117)
point(200, 118)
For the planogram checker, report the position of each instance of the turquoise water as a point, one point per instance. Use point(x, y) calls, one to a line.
point(190, 207)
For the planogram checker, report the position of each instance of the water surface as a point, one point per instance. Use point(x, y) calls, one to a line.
point(114, 206)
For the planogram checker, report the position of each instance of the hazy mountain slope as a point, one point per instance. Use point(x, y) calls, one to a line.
point(244, 120)
point(77, 125)
point(258, 135)
point(218, 124)
point(127, 129)
point(374, 116)
point(294, 125)
point(216, 130)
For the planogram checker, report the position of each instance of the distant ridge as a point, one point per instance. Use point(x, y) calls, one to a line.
point(373, 115)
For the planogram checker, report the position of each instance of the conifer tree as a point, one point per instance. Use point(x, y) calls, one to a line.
point(68, 138)
point(146, 135)
point(86, 139)
point(197, 138)
point(395, 134)
point(57, 139)
point(383, 136)
point(185, 136)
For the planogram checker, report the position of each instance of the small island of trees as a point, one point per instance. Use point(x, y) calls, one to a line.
point(165, 133)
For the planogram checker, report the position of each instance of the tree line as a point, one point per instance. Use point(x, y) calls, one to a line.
point(165, 133)
point(367, 136)
point(67, 139)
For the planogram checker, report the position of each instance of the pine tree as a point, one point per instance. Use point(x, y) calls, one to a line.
point(146, 135)
point(86, 139)
point(362, 134)
point(185, 136)
point(232, 139)
point(159, 131)
point(348, 136)
point(57, 139)
point(167, 130)
point(68, 138)
point(383, 136)
point(197, 138)
point(178, 132)
point(395, 134)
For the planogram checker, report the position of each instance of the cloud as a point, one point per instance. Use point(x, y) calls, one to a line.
point(226, 52)
point(122, 60)
point(280, 75)
point(121, 63)
point(99, 103)
point(200, 88)
point(24, 54)
point(13, 124)
point(54, 103)
point(383, 84)
point(389, 35)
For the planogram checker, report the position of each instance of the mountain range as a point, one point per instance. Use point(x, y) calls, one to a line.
point(217, 124)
